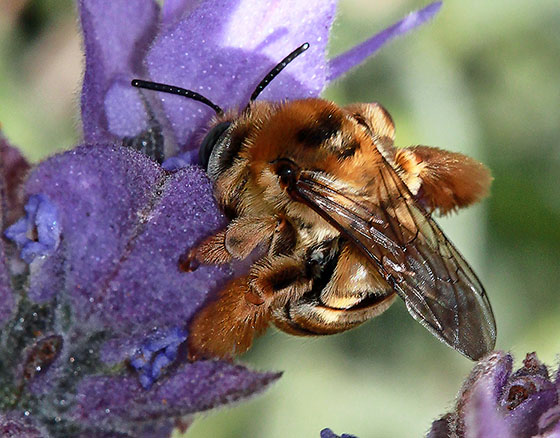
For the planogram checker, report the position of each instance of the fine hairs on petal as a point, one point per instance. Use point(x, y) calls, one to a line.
point(496, 402)
point(344, 62)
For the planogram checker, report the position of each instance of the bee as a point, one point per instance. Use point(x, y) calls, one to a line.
point(339, 221)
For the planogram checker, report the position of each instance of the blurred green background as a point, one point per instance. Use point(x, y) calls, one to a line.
point(484, 79)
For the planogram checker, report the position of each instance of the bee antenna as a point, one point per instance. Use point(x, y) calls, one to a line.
point(171, 89)
point(279, 67)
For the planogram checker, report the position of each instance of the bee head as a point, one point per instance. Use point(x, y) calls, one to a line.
point(214, 147)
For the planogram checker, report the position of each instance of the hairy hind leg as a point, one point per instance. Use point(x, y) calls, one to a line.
point(242, 310)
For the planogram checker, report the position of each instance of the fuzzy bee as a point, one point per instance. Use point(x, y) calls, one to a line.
point(340, 220)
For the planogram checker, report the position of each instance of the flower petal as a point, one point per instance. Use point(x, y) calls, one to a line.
point(327, 433)
point(528, 394)
point(483, 386)
point(210, 52)
point(444, 427)
point(193, 387)
point(493, 370)
point(97, 191)
point(494, 402)
point(156, 353)
point(549, 423)
point(174, 10)
point(482, 419)
point(350, 59)
point(125, 225)
point(116, 35)
point(524, 417)
point(147, 287)
point(182, 160)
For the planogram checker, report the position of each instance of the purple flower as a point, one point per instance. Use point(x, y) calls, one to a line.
point(327, 433)
point(95, 333)
point(156, 353)
point(208, 49)
point(105, 313)
point(494, 402)
point(182, 160)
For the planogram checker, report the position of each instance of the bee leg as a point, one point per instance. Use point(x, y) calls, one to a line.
point(227, 326)
point(236, 241)
point(284, 238)
point(277, 279)
point(353, 293)
point(442, 180)
point(211, 250)
point(246, 232)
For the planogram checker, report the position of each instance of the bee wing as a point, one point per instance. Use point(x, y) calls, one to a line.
point(440, 289)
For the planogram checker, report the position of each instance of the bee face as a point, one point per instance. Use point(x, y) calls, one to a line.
point(339, 221)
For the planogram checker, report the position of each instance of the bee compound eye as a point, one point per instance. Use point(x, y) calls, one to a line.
point(209, 143)
point(287, 171)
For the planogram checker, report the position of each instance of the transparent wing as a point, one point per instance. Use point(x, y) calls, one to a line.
point(440, 289)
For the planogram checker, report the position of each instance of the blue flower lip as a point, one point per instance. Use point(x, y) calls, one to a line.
point(156, 353)
point(37, 234)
